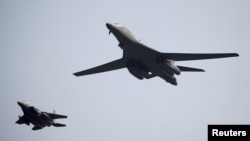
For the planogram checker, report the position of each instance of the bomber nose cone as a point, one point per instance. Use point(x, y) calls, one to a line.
point(109, 25)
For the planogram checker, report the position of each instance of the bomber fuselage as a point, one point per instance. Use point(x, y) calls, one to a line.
point(143, 57)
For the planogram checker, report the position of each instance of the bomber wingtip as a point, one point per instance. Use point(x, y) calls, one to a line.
point(202, 70)
point(235, 54)
point(75, 74)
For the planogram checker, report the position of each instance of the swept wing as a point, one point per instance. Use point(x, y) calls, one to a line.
point(117, 64)
point(196, 56)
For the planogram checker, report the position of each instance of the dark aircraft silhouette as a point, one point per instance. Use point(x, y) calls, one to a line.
point(38, 118)
point(145, 62)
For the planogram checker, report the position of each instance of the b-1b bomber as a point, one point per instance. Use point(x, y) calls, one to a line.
point(145, 62)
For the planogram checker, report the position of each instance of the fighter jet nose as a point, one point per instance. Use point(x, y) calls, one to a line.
point(22, 104)
point(19, 103)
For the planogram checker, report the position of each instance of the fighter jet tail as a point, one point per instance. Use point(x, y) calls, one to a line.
point(36, 128)
point(182, 68)
point(58, 125)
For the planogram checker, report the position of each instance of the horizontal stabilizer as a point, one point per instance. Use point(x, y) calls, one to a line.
point(56, 116)
point(196, 56)
point(114, 65)
point(58, 125)
point(36, 128)
point(182, 68)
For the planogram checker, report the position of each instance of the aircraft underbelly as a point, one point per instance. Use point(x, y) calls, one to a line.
point(146, 58)
point(35, 121)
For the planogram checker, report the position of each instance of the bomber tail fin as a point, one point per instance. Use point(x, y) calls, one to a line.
point(182, 68)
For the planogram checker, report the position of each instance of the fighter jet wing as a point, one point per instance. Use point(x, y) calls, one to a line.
point(117, 64)
point(56, 116)
point(194, 56)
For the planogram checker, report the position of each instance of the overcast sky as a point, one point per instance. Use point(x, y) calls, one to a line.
point(43, 42)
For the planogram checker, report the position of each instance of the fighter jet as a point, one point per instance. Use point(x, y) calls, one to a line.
point(145, 62)
point(38, 118)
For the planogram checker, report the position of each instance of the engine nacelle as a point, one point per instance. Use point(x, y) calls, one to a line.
point(173, 67)
point(169, 66)
point(137, 71)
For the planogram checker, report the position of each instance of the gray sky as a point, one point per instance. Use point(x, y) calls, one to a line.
point(43, 42)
